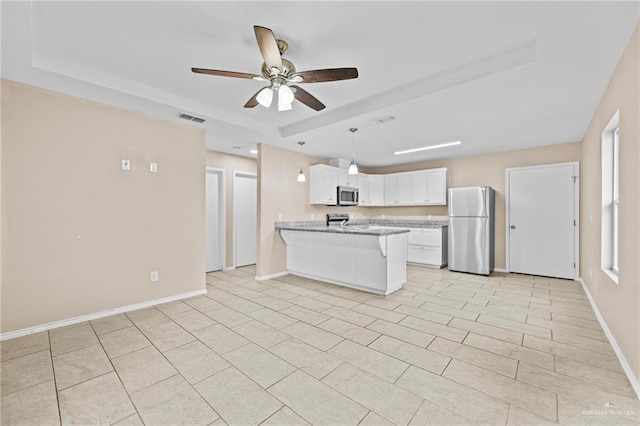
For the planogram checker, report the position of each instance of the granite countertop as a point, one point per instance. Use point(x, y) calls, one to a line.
point(408, 223)
point(375, 227)
point(351, 229)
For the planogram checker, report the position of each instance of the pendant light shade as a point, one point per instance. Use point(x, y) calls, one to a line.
point(285, 98)
point(265, 97)
point(301, 176)
point(353, 167)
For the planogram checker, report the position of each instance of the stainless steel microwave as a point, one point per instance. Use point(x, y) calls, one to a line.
point(347, 196)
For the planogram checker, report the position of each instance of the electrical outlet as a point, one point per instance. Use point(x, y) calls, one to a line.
point(154, 276)
point(153, 167)
point(125, 164)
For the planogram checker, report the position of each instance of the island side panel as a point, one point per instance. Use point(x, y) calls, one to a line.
point(396, 262)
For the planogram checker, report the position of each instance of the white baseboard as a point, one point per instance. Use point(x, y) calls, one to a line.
point(635, 383)
point(271, 276)
point(502, 270)
point(89, 317)
point(228, 268)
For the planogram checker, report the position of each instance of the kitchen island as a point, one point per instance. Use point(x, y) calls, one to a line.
point(365, 257)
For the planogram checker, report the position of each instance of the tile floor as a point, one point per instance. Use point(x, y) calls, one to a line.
point(448, 348)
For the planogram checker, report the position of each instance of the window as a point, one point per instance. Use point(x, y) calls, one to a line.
point(610, 197)
point(614, 203)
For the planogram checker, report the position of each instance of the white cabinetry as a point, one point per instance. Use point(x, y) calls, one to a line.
point(376, 264)
point(428, 246)
point(363, 190)
point(345, 179)
point(323, 184)
point(391, 190)
point(437, 185)
point(376, 190)
point(417, 188)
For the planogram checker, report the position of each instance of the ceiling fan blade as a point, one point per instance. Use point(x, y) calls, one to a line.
point(227, 73)
point(253, 101)
point(268, 47)
point(307, 98)
point(329, 74)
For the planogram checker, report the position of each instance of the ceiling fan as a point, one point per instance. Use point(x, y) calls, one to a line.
point(281, 73)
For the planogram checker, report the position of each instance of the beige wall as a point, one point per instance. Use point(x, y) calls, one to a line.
point(230, 164)
point(619, 304)
point(280, 194)
point(484, 170)
point(81, 236)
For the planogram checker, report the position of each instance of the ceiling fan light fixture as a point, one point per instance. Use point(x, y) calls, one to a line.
point(265, 97)
point(284, 106)
point(285, 98)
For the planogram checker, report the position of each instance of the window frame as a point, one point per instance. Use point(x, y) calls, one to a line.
point(610, 182)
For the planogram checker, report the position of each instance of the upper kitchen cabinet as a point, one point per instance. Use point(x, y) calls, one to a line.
point(397, 189)
point(376, 190)
point(323, 184)
point(437, 186)
point(419, 188)
point(371, 190)
point(345, 179)
point(429, 187)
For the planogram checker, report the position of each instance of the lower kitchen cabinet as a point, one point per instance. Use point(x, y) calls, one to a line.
point(428, 246)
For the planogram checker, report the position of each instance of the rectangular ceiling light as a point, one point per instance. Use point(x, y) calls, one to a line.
point(424, 148)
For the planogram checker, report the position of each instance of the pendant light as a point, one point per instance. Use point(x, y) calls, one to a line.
point(301, 176)
point(353, 167)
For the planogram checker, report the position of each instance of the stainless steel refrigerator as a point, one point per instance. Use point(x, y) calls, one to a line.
point(471, 229)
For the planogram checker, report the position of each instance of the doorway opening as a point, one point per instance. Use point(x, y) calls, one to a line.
point(245, 218)
point(215, 223)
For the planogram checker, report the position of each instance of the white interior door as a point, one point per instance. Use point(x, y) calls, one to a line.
point(214, 220)
point(245, 217)
point(542, 220)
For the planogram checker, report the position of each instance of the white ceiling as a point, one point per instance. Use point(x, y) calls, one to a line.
point(497, 75)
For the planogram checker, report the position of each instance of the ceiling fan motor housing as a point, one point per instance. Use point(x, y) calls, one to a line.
point(288, 69)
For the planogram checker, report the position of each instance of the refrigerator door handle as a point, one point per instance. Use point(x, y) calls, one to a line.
point(484, 201)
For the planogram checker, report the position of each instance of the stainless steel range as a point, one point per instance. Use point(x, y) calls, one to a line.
point(337, 219)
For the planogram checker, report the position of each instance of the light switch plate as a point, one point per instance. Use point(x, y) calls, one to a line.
point(125, 164)
point(154, 276)
point(153, 167)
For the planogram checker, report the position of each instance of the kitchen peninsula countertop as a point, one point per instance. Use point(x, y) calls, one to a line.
point(375, 227)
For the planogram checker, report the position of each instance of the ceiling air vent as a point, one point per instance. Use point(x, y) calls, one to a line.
point(383, 120)
point(191, 118)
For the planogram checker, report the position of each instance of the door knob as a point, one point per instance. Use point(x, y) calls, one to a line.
point(513, 227)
